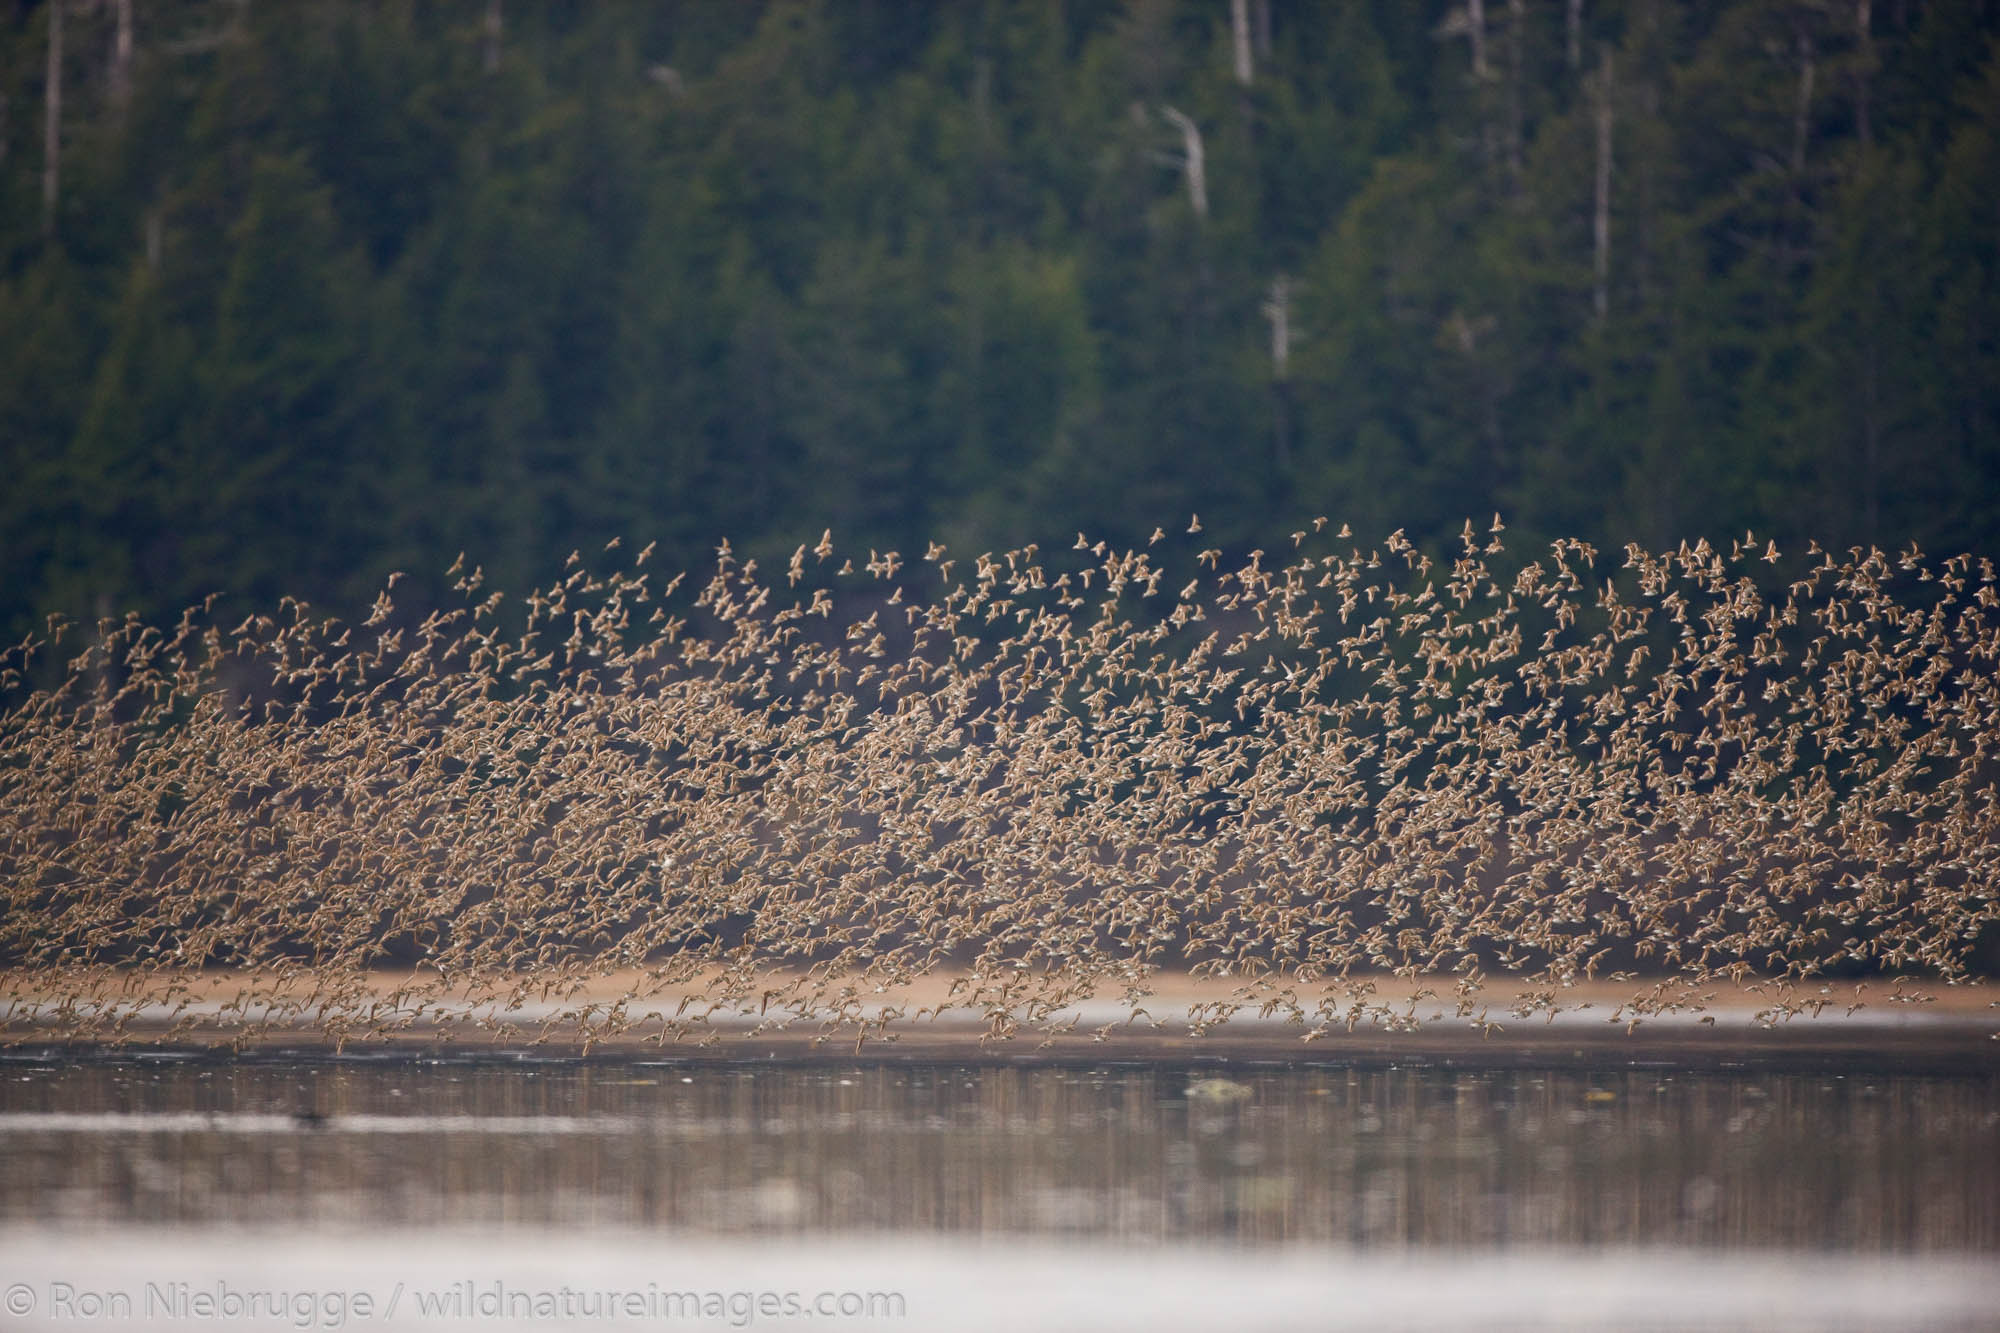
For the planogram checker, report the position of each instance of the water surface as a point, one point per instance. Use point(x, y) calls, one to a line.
point(1310, 1196)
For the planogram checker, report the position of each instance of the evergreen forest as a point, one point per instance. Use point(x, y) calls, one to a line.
point(296, 293)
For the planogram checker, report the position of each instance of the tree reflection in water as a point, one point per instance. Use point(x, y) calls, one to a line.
point(1370, 1157)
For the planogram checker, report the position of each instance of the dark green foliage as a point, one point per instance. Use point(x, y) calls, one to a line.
point(341, 287)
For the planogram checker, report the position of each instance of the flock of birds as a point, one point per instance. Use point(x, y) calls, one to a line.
point(1033, 777)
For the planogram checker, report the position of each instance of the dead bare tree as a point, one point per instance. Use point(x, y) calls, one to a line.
point(1864, 30)
point(121, 54)
point(1194, 158)
point(1277, 308)
point(1517, 22)
point(1802, 105)
point(52, 122)
point(1469, 22)
point(495, 25)
point(1601, 219)
point(1239, 35)
point(1791, 243)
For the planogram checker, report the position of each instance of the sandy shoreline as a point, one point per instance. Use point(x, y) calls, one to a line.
point(1363, 1019)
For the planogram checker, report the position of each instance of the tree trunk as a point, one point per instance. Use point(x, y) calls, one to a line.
point(1871, 441)
point(52, 127)
point(1475, 17)
point(1601, 221)
point(1517, 22)
point(985, 142)
point(1281, 426)
point(121, 55)
point(1573, 47)
point(1790, 246)
point(1802, 109)
point(1196, 158)
point(495, 25)
point(1864, 23)
point(1871, 380)
point(1239, 37)
point(1278, 310)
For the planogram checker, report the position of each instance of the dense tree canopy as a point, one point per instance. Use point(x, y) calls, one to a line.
point(297, 294)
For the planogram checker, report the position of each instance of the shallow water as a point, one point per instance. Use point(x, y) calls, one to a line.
point(1281, 1197)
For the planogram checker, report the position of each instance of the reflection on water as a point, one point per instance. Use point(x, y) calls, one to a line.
point(1377, 1158)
